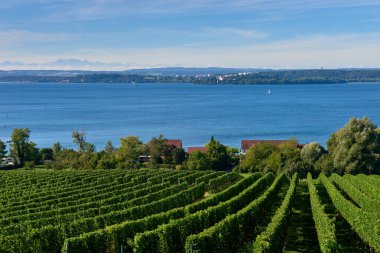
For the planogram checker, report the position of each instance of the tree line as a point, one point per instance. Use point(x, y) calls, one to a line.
point(304, 76)
point(353, 149)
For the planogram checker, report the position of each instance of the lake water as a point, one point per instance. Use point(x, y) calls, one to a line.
point(189, 112)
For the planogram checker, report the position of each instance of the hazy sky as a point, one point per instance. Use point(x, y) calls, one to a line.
point(121, 34)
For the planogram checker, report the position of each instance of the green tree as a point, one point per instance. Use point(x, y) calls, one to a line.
point(3, 149)
point(159, 150)
point(355, 148)
point(291, 159)
point(256, 156)
point(198, 161)
point(325, 164)
point(109, 148)
point(272, 163)
point(79, 138)
point(107, 160)
point(179, 155)
point(89, 148)
point(311, 153)
point(21, 148)
point(56, 149)
point(130, 149)
point(46, 154)
point(217, 155)
point(66, 159)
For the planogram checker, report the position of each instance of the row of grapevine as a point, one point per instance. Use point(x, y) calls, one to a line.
point(229, 234)
point(41, 240)
point(89, 195)
point(68, 190)
point(121, 235)
point(366, 225)
point(67, 216)
point(324, 225)
point(356, 195)
point(361, 183)
point(171, 237)
point(30, 190)
point(272, 239)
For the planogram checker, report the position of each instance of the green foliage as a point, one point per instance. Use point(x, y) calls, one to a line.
point(325, 165)
point(56, 148)
point(228, 234)
point(109, 148)
point(311, 153)
point(79, 138)
point(107, 161)
point(159, 150)
point(130, 149)
point(110, 205)
point(256, 157)
point(355, 148)
point(172, 236)
point(217, 155)
point(366, 203)
point(367, 185)
point(324, 225)
point(3, 149)
point(198, 161)
point(266, 157)
point(29, 165)
point(271, 240)
point(21, 149)
point(227, 193)
point(365, 224)
point(46, 154)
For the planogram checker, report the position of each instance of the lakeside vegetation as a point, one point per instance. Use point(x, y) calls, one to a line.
point(302, 76)
point(353, 149)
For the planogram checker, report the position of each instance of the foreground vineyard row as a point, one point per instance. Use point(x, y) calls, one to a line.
point(186, 211)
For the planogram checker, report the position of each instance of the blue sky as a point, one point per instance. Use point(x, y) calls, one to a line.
point(123, 34)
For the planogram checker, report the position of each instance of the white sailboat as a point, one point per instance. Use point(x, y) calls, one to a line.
point(268, 92)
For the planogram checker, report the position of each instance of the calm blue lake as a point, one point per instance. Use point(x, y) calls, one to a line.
point(189, 112)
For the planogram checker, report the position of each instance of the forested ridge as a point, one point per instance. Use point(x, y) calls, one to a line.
point(310, 76)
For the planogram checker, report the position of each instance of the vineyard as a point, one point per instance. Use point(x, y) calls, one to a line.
point(186, 211)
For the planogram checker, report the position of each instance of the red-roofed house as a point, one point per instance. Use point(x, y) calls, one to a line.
point(193, 149)
point(246, 144)
point(176, 143)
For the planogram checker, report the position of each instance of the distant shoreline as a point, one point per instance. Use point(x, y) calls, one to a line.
point(274, 77)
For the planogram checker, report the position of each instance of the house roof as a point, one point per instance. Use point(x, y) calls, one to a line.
point(177, 143)
point(246, 144)
point(193, 149)
point(300, 146)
